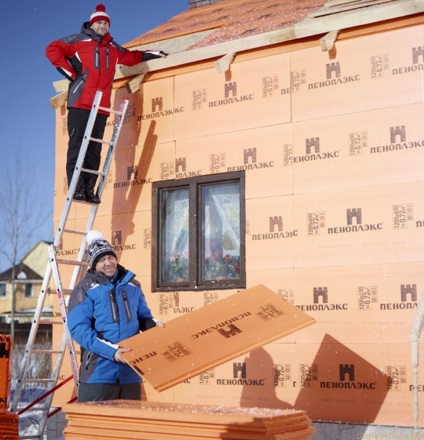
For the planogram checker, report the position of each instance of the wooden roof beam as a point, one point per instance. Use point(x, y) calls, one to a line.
point(357, 17)
point(334, 22)
point(305, 28)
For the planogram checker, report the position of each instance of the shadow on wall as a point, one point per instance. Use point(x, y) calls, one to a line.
point(338, 386)
point(125, 200)
point(344, 386)
point(260, 364)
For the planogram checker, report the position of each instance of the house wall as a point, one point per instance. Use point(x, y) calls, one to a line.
point(37, 258)
point(331, 146)
point(21, 302)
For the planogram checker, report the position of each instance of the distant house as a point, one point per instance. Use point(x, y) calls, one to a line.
point(29, 275)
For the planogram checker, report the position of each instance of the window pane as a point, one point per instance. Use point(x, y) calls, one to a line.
point(174, 235)
point(28, 290)
point(220, 253)
point(2, 289)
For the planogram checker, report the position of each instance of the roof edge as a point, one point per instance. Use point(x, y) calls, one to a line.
point(308, 27)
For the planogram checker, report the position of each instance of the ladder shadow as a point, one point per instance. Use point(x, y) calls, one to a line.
point(125, 202)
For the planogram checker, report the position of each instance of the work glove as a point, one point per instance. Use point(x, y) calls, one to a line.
point(152, 54)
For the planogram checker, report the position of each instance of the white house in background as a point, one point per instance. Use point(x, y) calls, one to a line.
point(29, 275)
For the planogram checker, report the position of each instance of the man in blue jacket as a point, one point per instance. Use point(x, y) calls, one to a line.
point(106, 307)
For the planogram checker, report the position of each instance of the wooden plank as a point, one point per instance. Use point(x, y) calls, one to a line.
point(58, 100)
point(134, 85)
point(305, 28)
point(223, 64)
point(345, 6)
point(205, 53)
point(333, 3)
point(211, 336)
point(359, 17)
point(61, 86)
point(327, 41)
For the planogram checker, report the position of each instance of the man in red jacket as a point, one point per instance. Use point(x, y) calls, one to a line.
point(88, 60)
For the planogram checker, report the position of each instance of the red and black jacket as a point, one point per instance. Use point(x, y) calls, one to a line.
point(89, 61)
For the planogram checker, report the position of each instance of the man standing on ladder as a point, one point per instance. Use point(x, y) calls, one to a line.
point(89, 60)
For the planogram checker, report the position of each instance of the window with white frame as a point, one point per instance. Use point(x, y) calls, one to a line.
point(199, 233)
point(3, 289)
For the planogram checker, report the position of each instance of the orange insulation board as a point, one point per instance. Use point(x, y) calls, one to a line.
point(212, 335)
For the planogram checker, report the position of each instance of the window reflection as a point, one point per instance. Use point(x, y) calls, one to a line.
point(220, 232)
point(174, 235)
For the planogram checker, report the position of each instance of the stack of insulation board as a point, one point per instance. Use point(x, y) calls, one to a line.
point(126, 419)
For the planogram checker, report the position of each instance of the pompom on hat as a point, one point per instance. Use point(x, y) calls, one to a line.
point(99, 14)
point(98, 247)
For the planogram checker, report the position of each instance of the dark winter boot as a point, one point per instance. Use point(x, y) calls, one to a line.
point(80, 193)
point(91, 197)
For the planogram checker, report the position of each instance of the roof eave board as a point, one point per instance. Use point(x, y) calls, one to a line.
point(308, 27)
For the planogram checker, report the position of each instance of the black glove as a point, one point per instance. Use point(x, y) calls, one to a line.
point(152, 54)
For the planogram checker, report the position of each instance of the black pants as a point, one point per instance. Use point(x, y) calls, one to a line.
point(91, 392)
point(77, 123)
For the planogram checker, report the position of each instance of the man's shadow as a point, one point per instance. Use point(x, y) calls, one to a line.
point(260, 366)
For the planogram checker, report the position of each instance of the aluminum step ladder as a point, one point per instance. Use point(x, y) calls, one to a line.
point(33, 416)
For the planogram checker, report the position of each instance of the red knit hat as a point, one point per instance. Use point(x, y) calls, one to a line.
point(99, 14)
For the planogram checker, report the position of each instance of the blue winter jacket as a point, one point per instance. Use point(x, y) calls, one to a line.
point(101, 313)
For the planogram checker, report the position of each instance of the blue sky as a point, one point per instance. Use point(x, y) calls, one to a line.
point(26, 77)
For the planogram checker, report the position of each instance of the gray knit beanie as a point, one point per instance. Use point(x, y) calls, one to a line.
point(98, 247)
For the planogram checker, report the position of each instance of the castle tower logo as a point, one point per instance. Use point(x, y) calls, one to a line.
point(230, 89)
point(157, 104)
point(346, 370)
point(333, 70)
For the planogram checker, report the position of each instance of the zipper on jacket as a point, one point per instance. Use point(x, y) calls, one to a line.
point(87, 362)
point(127, 307)
point(97, 58)
point(82, 79)
point(113, 306)
point(107, 58)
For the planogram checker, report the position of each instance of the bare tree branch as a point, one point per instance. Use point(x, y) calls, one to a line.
point(21, 215)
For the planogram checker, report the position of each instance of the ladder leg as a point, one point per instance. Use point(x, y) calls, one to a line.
point(42, 411)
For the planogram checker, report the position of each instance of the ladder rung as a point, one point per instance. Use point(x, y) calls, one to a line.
point(111, 110)
point(99, 173)
point(84, 202)
point(39, 380)
point(35, 408)
point(101, 141)
point(45, 351)
point(72, 262)
point(29, 437)
point(74, 231)
point(45, 322)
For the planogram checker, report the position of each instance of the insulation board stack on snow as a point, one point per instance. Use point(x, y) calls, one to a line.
point(167, 421)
